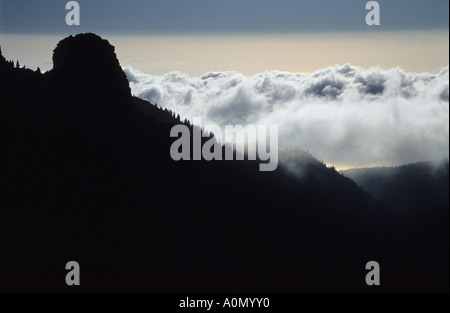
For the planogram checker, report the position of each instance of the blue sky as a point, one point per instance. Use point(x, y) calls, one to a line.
point(218, 16)
point(249, 36)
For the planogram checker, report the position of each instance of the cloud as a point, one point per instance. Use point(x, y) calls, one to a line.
point(343, 115)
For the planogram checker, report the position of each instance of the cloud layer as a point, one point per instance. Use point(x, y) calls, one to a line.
point(343, 115)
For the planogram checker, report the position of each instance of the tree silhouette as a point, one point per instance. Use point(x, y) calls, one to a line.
point(2, 58)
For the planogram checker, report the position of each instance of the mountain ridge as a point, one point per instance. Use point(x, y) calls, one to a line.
point(407, 188)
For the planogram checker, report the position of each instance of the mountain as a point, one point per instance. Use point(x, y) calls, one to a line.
point(410, 188)
point(87, 177)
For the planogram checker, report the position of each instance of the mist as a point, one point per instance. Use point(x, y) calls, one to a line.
point(345, 115)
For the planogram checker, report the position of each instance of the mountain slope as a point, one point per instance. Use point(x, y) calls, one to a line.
point(408, 188)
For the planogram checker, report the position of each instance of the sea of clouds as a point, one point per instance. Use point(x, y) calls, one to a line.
point(344, 115)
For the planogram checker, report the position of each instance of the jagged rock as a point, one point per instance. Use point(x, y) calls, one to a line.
point(89, 62)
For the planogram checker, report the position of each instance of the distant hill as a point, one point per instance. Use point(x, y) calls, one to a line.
point(86, 175)
point(409, 188)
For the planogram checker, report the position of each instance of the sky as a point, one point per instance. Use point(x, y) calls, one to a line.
point(249, 36)
point(216, 16)
point(312, 67)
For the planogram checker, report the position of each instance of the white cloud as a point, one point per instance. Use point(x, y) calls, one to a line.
point(343, 115)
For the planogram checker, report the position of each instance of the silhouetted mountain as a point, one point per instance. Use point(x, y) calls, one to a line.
point(410, 188)
point(419, 196)
point(86, 175)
